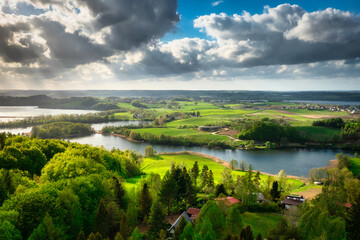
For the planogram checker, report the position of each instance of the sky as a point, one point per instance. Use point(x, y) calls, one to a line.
point(170, 44)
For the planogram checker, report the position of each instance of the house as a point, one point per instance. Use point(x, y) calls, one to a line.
point(228, 200)
point(176, 223)
point(261, 198)
point(292, 200)
point(193, 213)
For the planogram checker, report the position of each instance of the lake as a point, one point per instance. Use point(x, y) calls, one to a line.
point(296, 162)
point(11, 113)
point(343, 103)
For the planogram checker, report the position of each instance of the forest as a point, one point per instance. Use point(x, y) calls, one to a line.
point(83, 193)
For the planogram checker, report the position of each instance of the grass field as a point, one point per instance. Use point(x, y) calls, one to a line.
point(260, 222)
point(126, 105)
point(318, 133)
point(174, 132)
point(201, 121)
point(162, 163)
point(355, 166)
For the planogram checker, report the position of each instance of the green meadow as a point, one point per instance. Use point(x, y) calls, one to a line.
point(355, 166)
point(260, 222)
point(162, 163)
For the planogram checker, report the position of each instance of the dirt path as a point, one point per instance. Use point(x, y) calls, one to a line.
point(309, 193)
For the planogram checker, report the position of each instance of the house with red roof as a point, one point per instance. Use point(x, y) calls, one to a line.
point(229, 201)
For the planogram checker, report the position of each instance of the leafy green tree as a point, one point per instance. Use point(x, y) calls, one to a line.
point(149, 151)
point(243, 166)
point(212, 212)
point(234, 164)
point(156, 220)
point(8, 231)
point(145, 202)
point(227, 179)
point(46, 230)
point(205, 228)
point(234, 222)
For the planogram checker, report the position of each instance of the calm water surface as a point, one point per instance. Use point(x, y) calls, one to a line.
point(10, 113)
point(296, 162)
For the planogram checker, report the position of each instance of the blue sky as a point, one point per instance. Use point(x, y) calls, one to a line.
point(191, 9)
point(180, 44)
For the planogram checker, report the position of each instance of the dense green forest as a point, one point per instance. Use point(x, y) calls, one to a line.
point(61, 130)
point(52, 189)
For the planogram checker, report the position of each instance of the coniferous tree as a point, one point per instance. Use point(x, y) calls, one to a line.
point(195, 173)
point(119, 192)
point(220, 189)
point(210, 180)
point(102, 218)
point(259, 237)
point(156, 220)
point(168, 191)
point(124, 229)
point(145, 202)
point(204, 175)
point(275, 193)
point(353, 221)
point(46, 230)
point(180, 228)
point(188, 232)
point(246, 233)
point(81, 236)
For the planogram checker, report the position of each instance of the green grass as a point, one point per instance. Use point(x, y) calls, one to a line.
point(355, 166)
point(126, 105)
point(191, 106)
point(306, 187)
point(260, 222)
point(201, 121)
point(162, 164)
point(318, 133)
point(191, 133)
point(318, 112)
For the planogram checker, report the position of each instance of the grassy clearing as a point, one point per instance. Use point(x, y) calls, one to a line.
point(191, 106)
point(191, 133)
point(126, 105)
point(225, 112)
point(260, 222)
point(162, 163)
point(318, 112)
point(201, 121)
point(318, 133)
point(355, 166)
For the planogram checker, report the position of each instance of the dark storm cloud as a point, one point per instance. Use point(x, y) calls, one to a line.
point(71, 49)
point(22, 51)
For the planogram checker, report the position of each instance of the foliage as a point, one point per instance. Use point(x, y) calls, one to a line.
point(61, 130)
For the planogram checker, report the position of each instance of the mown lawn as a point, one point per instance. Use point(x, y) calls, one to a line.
point(260, 222)
point(162, 163)
point(126, 105)
point(318, 112)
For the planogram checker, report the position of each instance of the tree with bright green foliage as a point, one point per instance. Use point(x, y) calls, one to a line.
point(234, 164)
point(234, 222)
point(180, 228)
point(194, 172)
point(47, 230)
point(149, 151)
point(188, 233)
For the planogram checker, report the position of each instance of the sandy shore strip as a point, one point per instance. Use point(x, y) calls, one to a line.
point(332, 164)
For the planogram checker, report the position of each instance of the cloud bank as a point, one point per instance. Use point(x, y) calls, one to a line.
point(49, 41)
